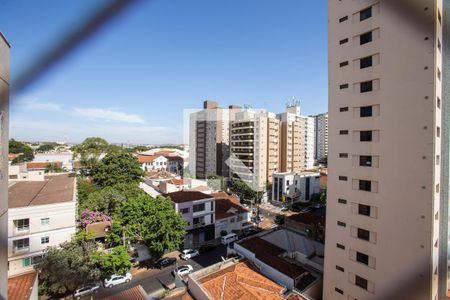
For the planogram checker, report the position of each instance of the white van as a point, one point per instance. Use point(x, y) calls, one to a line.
point(229, 238)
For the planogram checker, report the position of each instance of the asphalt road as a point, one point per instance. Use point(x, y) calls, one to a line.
point(153, 280)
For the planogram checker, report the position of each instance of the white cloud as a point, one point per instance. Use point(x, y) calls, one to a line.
point(109, 115)
point(33, 102)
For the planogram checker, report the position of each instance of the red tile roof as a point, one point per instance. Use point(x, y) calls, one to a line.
point(270, 255)
point(187, 196)
point(164, 152)
point(42, 165)
point(146, 158)
point(98, 228)
point(12, 156)
point(227, 206)
point(241, 281)
point(174, 158)
point(307, 218)
point(176, 181)
point(20, 287)
point(135, 293)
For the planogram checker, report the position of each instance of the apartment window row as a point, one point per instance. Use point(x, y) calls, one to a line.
point(363, 111)
point(364, 87)
point(22, 224)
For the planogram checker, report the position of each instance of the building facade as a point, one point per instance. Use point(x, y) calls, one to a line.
point(295, 187)
point(308, 132)
point(292, 140)
point(383, 208)
point(41, 214)
point(320, 136)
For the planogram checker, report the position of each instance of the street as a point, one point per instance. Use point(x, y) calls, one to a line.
point(154, 280)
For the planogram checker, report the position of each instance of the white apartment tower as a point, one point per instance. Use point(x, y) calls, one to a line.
point(385, 102)
point(320, 136)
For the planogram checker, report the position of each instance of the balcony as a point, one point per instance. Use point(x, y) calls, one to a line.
point(198, 225)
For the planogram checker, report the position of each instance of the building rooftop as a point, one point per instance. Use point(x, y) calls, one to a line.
point(20, 287)
point(187, 196)
point(177, 181)
point(158, 174)
point(98, 229)
point(164, 152)
point(146, 158)
point(269, 254)
point(227, 206)
point(240, 281)
point(42, 165)
point(178, 294)
point(135, 293)
point(54, 189)
point(174, 158)
point(308, 218)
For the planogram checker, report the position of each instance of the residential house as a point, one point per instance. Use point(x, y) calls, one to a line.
point(99, 230)
point(134, 293)
point(41, 166)
point(198, 209)
point(231, 216)
point(175, 164)
point(152, 162)
point(23, 287)
point(173, 185)
point(295, 187)
point(19, 172)
point(40, 214)
point(311, 224)
point(64, 158)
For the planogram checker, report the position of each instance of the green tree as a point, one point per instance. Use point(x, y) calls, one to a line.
point(152, 221)
point(129, 190)
point(323, 197)
point(279, 220)
point(17, 147)
point(46, 147)
point(84, 188)
point(218, 183)
point(53, 168)
point(105, 200)
point(65, 268)
point(116, 168)
point(223, 233)
point(89, 153)
point(116, 262)
point(246, 192)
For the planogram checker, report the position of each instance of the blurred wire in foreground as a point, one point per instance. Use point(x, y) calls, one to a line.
point(70, 42)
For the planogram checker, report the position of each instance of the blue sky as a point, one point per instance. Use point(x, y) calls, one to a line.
point(132, 81)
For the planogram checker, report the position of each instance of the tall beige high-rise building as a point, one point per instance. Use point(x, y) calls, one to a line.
point(292, 140)
point(383, 206)
point(320, 136)
point(4, 115)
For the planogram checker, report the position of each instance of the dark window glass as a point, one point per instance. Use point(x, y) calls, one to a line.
point(342, 201)
point(341, 42)
point(343, 19)
point(362, 258)
point(343, 132)
point(339, 268)
point(343, 178)
point(343, 86)
point(439, 45)
point(342, 109)
point(438, 102)
point(365, 62)
point(365, 14)
point(365, 136)
point(341, 223)
point(366, 86)
point(361, 282)
point(343, 64)
point(365, 111)
point(339, 291)
point(364, 209)
point(365, 38)
point(343, 155)
point(365, 161)
point(439, 17)
point(199, 207)
point(340, 246)
point(363, 234)
point(365, 185)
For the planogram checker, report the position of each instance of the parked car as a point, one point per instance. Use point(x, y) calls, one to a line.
point(183, 270)
point(188, 254)
point(85, 291)
point(165, 262)
point(250, 231)
point(284, 208)
point(117, 279)
point(206, 248)
point(229, 238)
point(305, 210)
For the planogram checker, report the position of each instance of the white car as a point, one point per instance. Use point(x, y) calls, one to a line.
point(188, 254)
point(183, 270)
point(87, 290)
point(117, 279)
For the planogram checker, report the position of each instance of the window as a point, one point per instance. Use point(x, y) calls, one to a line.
point(341, 224)
point(438, 158)
point(365, 185)
point(343, 155)
point(365, 161)
point(340, 246)
point(366, 86)
point(45, 221)
point(342, 201)
point(365, 38)
point(439, 74)
point(438, 102)
point(184, 210)
point(439, 17)
point(343, 86)
point(365, 62)
point(343, 19)
point(439, 45)
point(339, 290)
point(212, 205)
point(343, 64)
point(21, 244)
point(343, 109)
point(438, 131)
point(363, 234)
point(365, 136)
point(365, 14)
point(341, 42)
point(198, 207)
point(361, 282)
point(365, 111)
point(45, 240)
point(22, 224)
point(362, 258)
point(339, 268)
point(26, 262)
point(343, 178)
point(364, 210)
point(343, 132)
